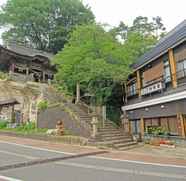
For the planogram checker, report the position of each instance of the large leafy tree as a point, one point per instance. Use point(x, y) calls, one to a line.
point(44, 24)
point(140, 37)
point(93, 58)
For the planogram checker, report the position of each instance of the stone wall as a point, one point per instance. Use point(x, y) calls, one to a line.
point(49, 118)
point(28, 95)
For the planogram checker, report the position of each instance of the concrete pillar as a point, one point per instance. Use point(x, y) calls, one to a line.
point(77, 92)
point(94, 123)
point(104, 115)
point(27, 71)
point(43, 76)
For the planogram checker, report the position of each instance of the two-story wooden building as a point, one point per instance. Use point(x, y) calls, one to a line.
point(156, 90)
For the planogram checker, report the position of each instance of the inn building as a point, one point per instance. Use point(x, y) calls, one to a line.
point(156, 90)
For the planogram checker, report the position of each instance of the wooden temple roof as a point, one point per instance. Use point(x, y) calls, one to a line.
point(8, 102)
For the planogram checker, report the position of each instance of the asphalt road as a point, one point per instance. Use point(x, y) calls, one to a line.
point(89, 168)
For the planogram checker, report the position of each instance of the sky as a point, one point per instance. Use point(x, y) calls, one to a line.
point(114, 11)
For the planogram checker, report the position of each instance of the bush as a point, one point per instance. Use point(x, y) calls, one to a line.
point(3, 75)
point(27, 127)
point(155, 130)
point(42, 105)
point(3, 124)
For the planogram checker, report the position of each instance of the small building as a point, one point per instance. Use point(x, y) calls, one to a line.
point(156, 90)
point(7, 106)
point(26, 64)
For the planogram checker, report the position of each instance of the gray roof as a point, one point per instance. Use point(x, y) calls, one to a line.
point(171, 39)
point(22, 50)
point(8, 102)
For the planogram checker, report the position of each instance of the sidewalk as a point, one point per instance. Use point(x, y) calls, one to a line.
point(147, 154)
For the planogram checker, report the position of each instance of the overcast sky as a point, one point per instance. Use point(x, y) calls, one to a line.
point(114, 11)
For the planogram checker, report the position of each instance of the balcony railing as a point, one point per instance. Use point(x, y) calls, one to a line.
point(158, 84)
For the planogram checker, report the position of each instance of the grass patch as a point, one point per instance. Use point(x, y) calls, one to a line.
point(28, 128)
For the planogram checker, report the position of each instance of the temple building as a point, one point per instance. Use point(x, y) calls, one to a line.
point(26, 64)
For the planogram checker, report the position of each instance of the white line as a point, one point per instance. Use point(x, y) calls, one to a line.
point(9, 179)
point(18, 155)
point(140, 162)
point(121, 170)
point(36, 148)
point(97, 157)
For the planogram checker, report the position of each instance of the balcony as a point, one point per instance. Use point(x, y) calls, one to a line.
point(156, 85)
point(152, 88)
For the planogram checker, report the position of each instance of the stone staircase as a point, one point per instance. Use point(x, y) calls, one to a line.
point(109, 135)
point(114, 137)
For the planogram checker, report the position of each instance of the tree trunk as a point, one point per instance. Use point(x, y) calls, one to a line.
point(77, 92)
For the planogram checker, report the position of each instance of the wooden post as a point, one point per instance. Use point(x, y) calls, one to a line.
point(124, 87)
point(172, 63)
point(13, 115)
point(129, 127)
point(138, 83)
point(77, 92)
point(142, 127)
point(183, 133)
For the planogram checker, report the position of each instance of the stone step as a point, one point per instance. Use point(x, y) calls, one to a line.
point(121, 145)
point(128, 147)
point(113, 142)
point(111, 134)
point(85, 119)
point(109, 123)
point(116, 138)
point(102, 130)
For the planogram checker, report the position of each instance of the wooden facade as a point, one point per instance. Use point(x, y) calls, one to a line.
point(157, 97)
point(27, 65)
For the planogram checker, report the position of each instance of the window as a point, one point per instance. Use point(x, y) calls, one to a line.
point(135, 126)
point(181, 68)
point(132, 89)
point(167, 74)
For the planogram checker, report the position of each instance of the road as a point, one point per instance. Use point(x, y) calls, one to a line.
point(87, 168)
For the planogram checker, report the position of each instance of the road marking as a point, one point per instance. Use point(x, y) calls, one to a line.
point(8, 178)
point(118, 170)
point(18, 155)
point(97, 157)
point(36, 148)
point(140, 162)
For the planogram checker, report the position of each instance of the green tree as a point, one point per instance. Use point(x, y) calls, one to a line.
point(159, 27)
point(140, 37)
point(93, 58)
point(44, 24)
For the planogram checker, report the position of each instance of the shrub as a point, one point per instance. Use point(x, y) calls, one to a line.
point(3, 75)
point(42, 105)
point(27, 127)
point(3, 124)
point(155, 130)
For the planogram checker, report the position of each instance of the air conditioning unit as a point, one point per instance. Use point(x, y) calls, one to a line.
point(152, 88)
